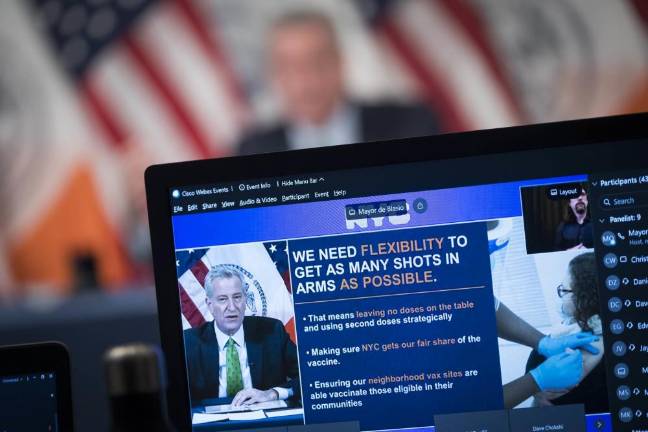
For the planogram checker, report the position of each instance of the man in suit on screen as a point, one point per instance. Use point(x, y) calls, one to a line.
point(305, 67)
point(247, 358)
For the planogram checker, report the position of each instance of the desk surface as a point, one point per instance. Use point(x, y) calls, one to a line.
point(245, 424)
point(225, 425)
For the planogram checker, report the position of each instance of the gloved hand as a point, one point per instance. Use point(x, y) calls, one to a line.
point(550, 346)
point(559, 372)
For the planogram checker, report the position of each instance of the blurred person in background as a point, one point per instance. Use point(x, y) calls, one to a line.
point(305, 68)
point(92, 92)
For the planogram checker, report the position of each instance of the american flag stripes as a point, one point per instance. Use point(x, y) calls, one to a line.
point(150, 73)
point(483, 64)
point(443, 46)
point(264, 267)
point(117, 86)
point(93, 91)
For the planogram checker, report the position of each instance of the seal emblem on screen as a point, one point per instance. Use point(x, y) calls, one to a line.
point(255, 299)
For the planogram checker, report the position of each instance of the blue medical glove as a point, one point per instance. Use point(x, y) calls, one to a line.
point(559, 372)
point(550, 346)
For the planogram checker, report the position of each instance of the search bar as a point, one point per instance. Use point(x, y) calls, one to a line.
point(622, 201)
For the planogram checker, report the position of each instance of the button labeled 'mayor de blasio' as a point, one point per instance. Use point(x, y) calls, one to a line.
point(487, 421)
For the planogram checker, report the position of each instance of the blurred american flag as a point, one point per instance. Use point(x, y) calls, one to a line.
point(483, 64)
point(151, 72)
point(93, 91)
point(114, 86)
point(444, 46)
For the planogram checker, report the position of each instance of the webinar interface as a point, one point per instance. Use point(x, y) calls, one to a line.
point(514, 306)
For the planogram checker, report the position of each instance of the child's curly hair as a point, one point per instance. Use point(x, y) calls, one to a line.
point(584, 286)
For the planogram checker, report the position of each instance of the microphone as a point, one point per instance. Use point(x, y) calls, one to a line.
point(135, 381)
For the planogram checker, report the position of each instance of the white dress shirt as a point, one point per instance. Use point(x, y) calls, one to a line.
point(239, 339)
point(342, 127)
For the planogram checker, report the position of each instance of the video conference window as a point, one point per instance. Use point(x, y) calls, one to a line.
point(557, 217)
point(556, 293)
point(239, 320)
point(459, 308)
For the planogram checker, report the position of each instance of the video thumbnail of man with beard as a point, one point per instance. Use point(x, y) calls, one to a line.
point(556, 218)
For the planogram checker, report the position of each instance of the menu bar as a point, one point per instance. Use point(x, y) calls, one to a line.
point(260, 193)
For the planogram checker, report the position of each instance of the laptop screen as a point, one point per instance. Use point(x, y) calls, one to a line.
point(28, 402)
point(420, 296)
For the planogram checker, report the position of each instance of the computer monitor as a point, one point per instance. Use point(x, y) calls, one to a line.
point(490, 280)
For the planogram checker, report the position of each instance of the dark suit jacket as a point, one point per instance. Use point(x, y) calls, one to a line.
point(272, 357)
point(377, 122)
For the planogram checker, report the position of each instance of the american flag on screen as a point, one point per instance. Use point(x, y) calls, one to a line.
point(264, 267)
point(150, 72)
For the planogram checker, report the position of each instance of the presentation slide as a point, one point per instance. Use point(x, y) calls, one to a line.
point(399, 321)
